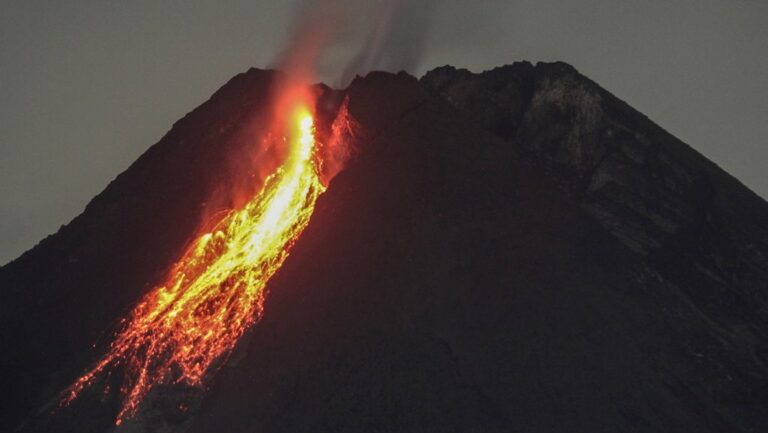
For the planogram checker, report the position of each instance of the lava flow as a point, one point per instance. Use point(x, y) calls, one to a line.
point(181, 329)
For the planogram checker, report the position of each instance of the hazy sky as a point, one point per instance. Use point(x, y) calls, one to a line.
point(87, 86)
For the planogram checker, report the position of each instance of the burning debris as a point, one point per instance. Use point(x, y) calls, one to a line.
point(472, 270)
point(469, 270)
point(182, 328)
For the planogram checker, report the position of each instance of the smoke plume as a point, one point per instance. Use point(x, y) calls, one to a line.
point(353, 38)
point(395, 41)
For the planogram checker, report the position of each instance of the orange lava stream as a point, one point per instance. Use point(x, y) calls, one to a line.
point(215, 291)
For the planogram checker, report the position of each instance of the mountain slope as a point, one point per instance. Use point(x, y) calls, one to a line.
point(516, 250)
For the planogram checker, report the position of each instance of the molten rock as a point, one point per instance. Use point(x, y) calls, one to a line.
point(516, 250)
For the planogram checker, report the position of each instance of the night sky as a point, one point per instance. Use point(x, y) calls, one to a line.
point(87, 86)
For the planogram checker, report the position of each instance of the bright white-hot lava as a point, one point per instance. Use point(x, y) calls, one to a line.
point(181, 329)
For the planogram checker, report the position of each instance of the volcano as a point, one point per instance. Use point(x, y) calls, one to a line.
point(512, 250)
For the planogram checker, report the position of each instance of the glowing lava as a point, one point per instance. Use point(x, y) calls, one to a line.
point(179, 330)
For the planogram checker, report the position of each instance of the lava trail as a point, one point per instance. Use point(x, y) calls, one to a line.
point(181, 329)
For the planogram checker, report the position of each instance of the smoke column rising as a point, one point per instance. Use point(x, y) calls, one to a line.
point(385, 34)
point(315, 27)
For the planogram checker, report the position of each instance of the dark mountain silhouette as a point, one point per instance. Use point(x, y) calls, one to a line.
point(516, 250)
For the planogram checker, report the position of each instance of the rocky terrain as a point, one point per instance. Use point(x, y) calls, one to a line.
point(515, 250)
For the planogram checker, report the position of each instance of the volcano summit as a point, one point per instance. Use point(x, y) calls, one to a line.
point(514, 250)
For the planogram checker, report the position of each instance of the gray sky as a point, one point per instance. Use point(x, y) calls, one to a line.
point(87, 86)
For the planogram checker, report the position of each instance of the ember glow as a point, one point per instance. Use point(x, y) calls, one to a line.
point(183, 328)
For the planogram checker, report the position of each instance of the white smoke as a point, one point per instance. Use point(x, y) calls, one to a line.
point(345, 38)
